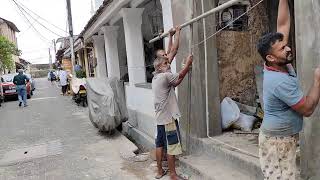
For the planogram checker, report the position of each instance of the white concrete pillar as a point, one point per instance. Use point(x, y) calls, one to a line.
point(132, 21)
point(111, 47)
point(167, 25)
point(98, 41)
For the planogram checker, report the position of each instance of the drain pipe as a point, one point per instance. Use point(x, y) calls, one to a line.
point(207, 96)
point(189, 81)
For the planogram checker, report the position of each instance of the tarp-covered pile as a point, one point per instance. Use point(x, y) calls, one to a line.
point(106, 102)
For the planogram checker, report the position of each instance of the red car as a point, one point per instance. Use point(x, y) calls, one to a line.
point(9, 88)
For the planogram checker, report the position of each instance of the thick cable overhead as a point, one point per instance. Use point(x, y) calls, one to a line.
point(20, 34)
point(41, 17)
point(28, 21)
point(36, 19)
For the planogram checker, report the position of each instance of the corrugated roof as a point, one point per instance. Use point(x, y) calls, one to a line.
point(96, 15)
point(10, 24)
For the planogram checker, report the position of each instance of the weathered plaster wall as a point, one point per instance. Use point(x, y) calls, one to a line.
point(238, 56)
point(196, 125)
point(308, 53)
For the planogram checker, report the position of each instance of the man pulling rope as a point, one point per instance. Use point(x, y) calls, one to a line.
point(284, 102)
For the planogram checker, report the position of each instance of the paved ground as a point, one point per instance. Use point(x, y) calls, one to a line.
point(54, 139)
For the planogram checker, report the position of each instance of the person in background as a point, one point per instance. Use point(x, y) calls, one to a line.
point(52, 77)
point(20, 81)
point(63, 77)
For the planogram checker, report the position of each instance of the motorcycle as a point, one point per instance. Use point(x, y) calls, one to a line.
point(81, 96)
point(78, 87)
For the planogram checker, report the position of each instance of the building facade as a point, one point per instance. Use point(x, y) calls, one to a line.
point(8, 29)
point(117, 36)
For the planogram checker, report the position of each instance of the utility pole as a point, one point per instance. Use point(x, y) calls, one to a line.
point(50, 59)
point(71, 35)
point(54, 46)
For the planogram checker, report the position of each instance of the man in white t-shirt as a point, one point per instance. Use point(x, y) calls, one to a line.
point(63, 76)
point(167, 113)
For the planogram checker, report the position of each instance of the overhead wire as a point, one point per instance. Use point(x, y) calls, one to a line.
point(36, 19)
point(209, 37)
point(41, 17)
point(44, 39)
point(22, 33)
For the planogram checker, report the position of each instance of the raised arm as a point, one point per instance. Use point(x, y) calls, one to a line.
point(310, 102)
point(171, 32)
point(185, 70)
point(283, 22)
point(175, 45)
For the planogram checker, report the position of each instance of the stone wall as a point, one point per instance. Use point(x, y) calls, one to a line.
point(308, 52)
point(238, 56)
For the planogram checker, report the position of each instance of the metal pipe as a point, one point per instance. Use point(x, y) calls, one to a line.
point(214, 10)
point(206, 68)
point(189, 82)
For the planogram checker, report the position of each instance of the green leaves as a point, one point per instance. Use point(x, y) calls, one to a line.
point(7, 50)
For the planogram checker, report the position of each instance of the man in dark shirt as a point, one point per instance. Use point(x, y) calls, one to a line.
point(20, 81)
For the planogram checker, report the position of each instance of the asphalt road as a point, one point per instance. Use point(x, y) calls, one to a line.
point(53, 139)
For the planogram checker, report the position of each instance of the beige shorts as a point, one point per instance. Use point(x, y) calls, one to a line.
point(278, 157)
point(168, 137)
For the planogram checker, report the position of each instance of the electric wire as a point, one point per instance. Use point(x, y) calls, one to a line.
point(41, 17)
point(44, 39)
point(209, 37)
point(36, 19)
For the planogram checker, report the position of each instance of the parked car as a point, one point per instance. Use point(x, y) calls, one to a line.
point(9, 88)
point(1, 91)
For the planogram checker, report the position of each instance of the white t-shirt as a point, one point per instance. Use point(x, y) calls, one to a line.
point(63, 76)
point(165, 99)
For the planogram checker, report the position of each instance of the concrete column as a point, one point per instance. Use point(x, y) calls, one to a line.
point(132, 20)
point(111, 47)
point(86, 63)
point(168, 24)
point(307, 21)
point(98, 42)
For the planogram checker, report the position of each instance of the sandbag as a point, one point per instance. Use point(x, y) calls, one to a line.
point(230, 112)
point(244, 123)
point(106, 103)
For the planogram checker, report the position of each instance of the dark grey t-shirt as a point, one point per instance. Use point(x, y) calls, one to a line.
point(165, 99)
point(281, 91)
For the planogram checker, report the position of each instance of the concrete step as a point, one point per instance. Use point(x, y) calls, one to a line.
point(218, 154)
point(208, 168)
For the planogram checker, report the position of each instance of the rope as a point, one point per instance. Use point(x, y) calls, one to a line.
point(209, 37)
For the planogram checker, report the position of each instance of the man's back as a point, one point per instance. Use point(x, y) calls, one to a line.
point(165, 100)
point(20, 79)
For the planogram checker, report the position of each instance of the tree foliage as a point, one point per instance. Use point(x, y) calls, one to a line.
point(7, 49)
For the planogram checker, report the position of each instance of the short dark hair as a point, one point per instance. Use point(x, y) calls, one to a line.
point(266, 41)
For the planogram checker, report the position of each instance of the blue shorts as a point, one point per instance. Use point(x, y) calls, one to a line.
point(168, 137)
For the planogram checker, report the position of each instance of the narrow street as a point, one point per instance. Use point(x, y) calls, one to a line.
point(53, 139)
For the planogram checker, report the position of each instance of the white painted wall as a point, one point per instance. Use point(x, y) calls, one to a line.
point(140, 101)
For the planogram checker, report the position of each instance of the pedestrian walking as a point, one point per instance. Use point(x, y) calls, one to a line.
point(167, 113)
point(284, 102)
point(63, 77)
point(52, 77)
point(20, 81)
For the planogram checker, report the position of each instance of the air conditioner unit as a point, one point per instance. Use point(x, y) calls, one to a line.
point(227, 16)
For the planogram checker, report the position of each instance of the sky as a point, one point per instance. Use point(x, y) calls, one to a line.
point(35, 45)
